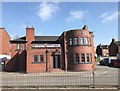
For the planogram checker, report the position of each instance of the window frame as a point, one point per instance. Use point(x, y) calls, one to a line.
point(41, 58)
point(36, 60)
point(77, 56)
point(86, 40)
point(76, 41)
point(18, 47)
point(88, 57)
point(70, 41)
point(81, 40)
point(82, 57)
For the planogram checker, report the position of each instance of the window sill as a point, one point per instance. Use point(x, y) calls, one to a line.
point(80, 45)
point(37, 62)
point(83, 63)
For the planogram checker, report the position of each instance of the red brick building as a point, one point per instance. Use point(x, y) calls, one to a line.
point(114, 48)
point(73, 50)
point(102, 50)
point(4, 42)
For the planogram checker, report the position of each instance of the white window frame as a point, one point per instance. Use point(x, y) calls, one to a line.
point(81, 40)
point(18, 46)
point(76, 41)
point(87, 41)
point(70, 41)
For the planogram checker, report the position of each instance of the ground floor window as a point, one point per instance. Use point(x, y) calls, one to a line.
point(77, 58)
point(41, 58)
point(35, 58)
point(83, 57)
point(87, 57)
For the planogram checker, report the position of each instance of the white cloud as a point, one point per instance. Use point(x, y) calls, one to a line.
point(106, 17)
point(75, 15)
point(46, 10)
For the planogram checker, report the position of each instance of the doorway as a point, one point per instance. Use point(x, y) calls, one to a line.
point(56, 61)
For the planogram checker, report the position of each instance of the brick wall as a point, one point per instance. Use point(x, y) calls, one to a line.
point(4, 42)
point(80, 49)
point(113, 49)
point(18, 59)
point(40, 66)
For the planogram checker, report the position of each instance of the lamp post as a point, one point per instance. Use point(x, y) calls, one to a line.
point(46, 60)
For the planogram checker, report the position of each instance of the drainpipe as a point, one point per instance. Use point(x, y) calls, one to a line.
point(46, 60)
point(65, 45)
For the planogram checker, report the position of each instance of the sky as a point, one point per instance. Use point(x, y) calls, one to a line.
point(52, 18)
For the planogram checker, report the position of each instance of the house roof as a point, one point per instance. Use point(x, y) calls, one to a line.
point(21, 39)
point(46, 38)
point(104, 46)
point(40, 39)
point(117, 43)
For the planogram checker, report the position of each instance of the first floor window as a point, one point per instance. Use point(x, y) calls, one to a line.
point(18, 47)
point(70, 41)
point(76, 41)
point(41, 58)
point(87, 40)
point(35, 58)
point(82, 41)
point(77, 58)
point(83, 57)
point(87, 56)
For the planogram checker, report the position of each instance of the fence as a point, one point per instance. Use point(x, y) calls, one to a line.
point(64, 79)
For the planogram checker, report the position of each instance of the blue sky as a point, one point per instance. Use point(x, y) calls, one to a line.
point(54, 18)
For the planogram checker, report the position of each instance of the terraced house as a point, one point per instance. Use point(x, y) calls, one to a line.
point(73, 51)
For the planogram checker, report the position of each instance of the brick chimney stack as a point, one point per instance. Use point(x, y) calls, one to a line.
point(29, 34)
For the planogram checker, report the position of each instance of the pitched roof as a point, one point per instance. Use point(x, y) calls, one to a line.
point(43, 39)
point(46, 38)
point(104, 46)
point(117, 43)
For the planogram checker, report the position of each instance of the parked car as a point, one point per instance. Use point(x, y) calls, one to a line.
point(111, 64)
point(117, 63)
point(105, 61)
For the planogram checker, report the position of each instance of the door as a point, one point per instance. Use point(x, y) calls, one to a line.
point(56, 61)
